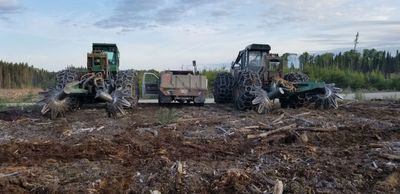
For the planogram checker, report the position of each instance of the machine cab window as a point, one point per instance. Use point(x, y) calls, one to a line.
point(97, 61)
point(111, 58)
point(255, 60)
point(274, 65)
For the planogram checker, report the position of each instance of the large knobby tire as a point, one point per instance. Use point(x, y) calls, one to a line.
point(296, 77)
point(297, 100)
point(127, 80)
point(284, 102)
point(223, 88)
point(328, 99)
point(245, 85)
point(66, 76)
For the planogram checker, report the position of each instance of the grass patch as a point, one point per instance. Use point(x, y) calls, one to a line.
point(27, 98)
point(359, 95)
point(167, 116)
point(20, 95)
point(30, 97)
point(2, 104)
point(2, 107)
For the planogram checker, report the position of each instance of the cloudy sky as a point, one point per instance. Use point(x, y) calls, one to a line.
point(165, 34)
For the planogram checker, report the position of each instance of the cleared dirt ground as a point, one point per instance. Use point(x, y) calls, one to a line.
point(210, 149)
point(17, 95)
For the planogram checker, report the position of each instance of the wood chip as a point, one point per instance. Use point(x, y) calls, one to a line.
point(6, 175)
point(390, 157)
point(304, 113)
point(314, 129)
point(179, 175)
point(279, 118)
point(278, 188)
point(251, 127)
point(263, 124)
point(282, 129)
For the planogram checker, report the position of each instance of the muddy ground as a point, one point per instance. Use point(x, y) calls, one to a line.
point(210, 149)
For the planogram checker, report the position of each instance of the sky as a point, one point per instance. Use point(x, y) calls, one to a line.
point(169, 34)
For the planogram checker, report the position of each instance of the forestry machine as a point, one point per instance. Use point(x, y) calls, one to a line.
point(102, 81)
point(256, 78)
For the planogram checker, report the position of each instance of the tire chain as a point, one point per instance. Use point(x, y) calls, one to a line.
point(223, 88)
point(127, 80)
point(65, 76)
point(296, 77)
point(246, 83)
point(328, 102)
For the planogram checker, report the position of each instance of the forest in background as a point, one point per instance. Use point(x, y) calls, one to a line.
point(22, 75)
point(370, 70)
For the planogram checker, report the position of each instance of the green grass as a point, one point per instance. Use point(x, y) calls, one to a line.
point(30, 97)
point(359, 95)
point(2, 104)
point(166, 116)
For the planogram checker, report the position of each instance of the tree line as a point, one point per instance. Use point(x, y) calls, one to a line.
point(21, 75)
point(369, 60)
point(370, 69)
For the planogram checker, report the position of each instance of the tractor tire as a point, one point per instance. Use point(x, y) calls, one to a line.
point(127, 80)
point(66, 76)
point(329, 98)
point(52, 104)
point(245, 85)
point(296, 101)
point(284, 102)
point(223, 88)
point(296, 77)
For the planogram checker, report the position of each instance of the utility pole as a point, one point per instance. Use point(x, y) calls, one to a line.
point(356, 42)
point(355, 51)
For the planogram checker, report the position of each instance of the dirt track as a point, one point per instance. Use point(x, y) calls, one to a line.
point(211, 149)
